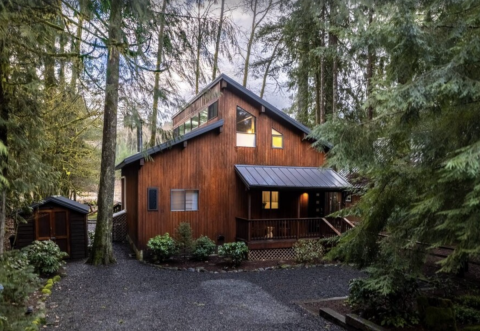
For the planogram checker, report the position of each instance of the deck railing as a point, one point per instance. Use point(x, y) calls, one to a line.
point(290, 228)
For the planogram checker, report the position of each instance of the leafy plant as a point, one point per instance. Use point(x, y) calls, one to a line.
point(45, 256)
point(184, 239)
point(162, 246)
point(203, 248)
point(308, 250)
point(387, 297)
point(466, 315)
point(236, 252)
point(18, 280)
point(471, 301)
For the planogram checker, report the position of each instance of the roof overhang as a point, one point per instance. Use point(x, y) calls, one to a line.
point(281, 177)
point(64, 202)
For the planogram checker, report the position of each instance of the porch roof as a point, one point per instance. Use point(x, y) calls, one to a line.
point(258, 176)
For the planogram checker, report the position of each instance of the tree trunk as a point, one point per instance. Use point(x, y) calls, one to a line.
point(267, 69)
point(102, 252)
point(199, 44)
point(334, 41)
point(4, 115)
point(217, 45)
point(249, 44)
point(370, 63)
point(76, 49)
point(156, 92)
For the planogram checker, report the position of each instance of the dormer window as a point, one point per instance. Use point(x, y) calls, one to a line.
point(245, 128)
point(277, 139)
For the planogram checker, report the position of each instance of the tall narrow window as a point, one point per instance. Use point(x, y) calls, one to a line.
point(203, 116)
point(195, 121)
point(188, 126)
point(152, 196)
point(277, 139)
point(181, 130)
point(213, 110)
point(270, 199)
point(184, 200)
point(245, 128)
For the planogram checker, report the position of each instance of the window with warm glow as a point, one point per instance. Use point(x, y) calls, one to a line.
point(277, 139)
point(245, 128)
point(270, 199)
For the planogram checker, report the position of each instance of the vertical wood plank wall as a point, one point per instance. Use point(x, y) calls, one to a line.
point(207, 165)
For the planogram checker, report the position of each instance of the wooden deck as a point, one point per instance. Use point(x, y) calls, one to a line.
point(284, 232)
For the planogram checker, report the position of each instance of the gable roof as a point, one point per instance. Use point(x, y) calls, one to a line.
point(257, 176)
point(170, 143)
point(269, 108)
point(64, 202)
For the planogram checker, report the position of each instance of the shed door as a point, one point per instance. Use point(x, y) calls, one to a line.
point(53, 225)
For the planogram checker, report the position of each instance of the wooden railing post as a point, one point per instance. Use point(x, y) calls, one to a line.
point(249, 230)
point(298, 229)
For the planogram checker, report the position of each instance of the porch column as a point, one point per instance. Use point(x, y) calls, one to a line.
point(249, 205)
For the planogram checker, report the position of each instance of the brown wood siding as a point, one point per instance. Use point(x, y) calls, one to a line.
point(78, 235)
point(131, 205)
point(207, 164)
point(200, 104)
point(25, 233)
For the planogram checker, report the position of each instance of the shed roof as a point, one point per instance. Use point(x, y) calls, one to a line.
point(258, 176)
point(170, 143)
point(64, 202)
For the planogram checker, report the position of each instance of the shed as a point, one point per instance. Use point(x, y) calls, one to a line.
point(58, 219)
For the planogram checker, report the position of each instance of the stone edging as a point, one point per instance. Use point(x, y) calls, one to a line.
point(282, 267)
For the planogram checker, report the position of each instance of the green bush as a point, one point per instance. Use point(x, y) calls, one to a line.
point(235, 252)
point(184, 239)
point(203, 248)
point(471, 301)
point(308, 250)
point(162, 247)
point(45, 256)
point(18, 281)
point(466, 315)
point(387, 296)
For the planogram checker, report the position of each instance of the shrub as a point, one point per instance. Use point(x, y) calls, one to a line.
point(471, 301)
point(163, 247)
point(184, 239)
point(18, 280)
point(466, 315)
point(308, 250)
point(203, 248)
point(91, 238)
point(45, 256)
point(236, 252)
point(387, 296)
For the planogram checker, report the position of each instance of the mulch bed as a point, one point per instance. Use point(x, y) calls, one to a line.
point(218, 264)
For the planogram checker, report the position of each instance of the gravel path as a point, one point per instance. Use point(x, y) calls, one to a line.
point(134, 296)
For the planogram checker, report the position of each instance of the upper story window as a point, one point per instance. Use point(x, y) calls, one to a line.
point(277, 139)
point(184, 200)
point(245, 128)
point(213, 110)
point(188, 126)
point(203, 116)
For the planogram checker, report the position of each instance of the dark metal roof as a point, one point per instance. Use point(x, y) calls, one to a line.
point(170, 143)
point(232, 84)
point(256, 176)
point(64, 202)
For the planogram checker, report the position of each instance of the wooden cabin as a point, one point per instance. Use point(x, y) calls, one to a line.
point(59, 219)
point(238, 169)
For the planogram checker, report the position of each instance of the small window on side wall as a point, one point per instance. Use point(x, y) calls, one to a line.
point(277, 139)
point(203, 116)
point(184, 200)
point(152, 198)
point(270, 199)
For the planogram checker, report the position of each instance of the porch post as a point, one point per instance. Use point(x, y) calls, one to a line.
point(298, 205)
point(249, 205)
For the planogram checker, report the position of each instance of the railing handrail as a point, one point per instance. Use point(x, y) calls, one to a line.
point(348, 222)
point(278, 219)
point(331, 226)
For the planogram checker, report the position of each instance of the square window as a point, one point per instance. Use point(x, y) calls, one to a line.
point(277, 139)
point(213, 110)
point(183, 200)
point(270, 199)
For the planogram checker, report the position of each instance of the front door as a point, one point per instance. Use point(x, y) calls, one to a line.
point(53, 225)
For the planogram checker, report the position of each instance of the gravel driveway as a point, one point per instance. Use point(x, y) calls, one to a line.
point(134, 296)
